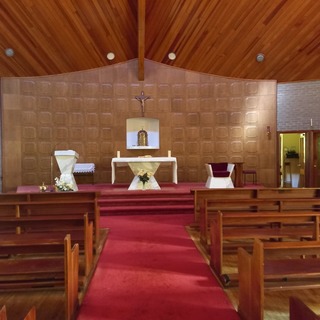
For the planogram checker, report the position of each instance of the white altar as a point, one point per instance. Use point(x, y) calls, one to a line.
point(150, 164)
point(66, 160)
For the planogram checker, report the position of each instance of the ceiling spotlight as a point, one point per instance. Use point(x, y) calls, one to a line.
point(260, 57)
point(9, 52)
point(111, 56)
point(172, 56)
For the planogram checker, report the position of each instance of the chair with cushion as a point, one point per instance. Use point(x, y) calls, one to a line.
point(219, 175)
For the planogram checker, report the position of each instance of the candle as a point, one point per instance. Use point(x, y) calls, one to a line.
point(118, 154)
point(169, 153)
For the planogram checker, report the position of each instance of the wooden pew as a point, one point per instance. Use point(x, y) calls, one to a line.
point(300, 311)
point(199, 195)
point(233, 230)
point(241, 194)
point(276, 266)
point(264, 200)
point(31, 315)
point(51, 242)
point(44, 211)
point(49, 271)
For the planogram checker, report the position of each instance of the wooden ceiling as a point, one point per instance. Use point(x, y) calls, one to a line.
point(220, 37)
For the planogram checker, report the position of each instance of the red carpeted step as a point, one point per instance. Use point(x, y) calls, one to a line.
point(133, 210)
point(133, 201)
point(169, 199)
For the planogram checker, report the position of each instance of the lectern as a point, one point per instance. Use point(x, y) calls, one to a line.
point(66, 160)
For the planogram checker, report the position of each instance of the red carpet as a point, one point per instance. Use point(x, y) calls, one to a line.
point(150, 270)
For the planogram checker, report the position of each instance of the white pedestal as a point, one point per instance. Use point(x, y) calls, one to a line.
point(66, 160)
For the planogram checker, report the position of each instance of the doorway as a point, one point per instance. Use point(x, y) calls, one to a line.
point(293, 159)
point(315, 166)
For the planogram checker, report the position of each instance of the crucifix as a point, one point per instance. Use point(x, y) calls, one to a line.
point(142, 98)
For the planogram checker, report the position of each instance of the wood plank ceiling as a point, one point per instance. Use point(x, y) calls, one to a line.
point(210, 36)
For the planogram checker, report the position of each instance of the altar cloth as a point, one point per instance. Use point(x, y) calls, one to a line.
point(84, 168)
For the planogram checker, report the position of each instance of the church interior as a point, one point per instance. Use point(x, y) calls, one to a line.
point(129, 128)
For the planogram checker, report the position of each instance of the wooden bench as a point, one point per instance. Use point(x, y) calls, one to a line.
point(49, 271)
point(232, 230)
point(199, 195)
point(234, 198)
point(263, 203)
point(51, 242)
point(276, 266)
point(44, 211)
point(31, 315)
point(300, 311)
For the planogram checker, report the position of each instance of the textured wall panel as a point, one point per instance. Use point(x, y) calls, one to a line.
point(202, 118)
point(60, 119)
point(207, 148)
point(178, 148)
point(29, 133)
point(221, 118)
point(77, 133)
point(193, 148)
point(45, 133)
point(221, 147)
point(45, 117)
point(236, 118)
point(193, 119)
point(77, 119)
point(251, 132)
point(236, 133)
point(29, 118)
point(251, 146)
point(29, 148)
point(236, 146)
point(28, 87)
point(221, 133)
point(29, 163)
point(206, 133)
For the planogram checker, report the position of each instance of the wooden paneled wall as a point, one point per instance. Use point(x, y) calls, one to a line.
point(203, 118)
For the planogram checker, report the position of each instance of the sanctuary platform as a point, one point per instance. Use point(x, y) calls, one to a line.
point(116, 199)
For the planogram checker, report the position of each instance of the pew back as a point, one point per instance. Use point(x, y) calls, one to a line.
point(293, 264)
point(44, 211)
point(232, 230)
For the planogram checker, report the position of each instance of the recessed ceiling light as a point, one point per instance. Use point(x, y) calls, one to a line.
point(172, 56)
point(9, 52)
point(111, 56)
point(260, 57)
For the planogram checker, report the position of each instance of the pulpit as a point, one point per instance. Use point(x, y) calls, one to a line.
point(66, 160)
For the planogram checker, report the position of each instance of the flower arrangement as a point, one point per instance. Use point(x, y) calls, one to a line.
point(62, 185)
point(144, 175)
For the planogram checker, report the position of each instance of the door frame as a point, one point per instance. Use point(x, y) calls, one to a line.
point(311, 156)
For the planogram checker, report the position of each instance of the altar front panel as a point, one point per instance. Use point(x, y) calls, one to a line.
point(148, 163)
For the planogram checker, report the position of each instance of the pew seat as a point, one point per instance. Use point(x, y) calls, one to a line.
point(275, 266)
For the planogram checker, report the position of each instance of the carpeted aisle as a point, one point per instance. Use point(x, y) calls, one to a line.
point(150, 270)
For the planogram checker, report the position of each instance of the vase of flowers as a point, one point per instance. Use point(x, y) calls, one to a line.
point(144, 177)
point(61, 185)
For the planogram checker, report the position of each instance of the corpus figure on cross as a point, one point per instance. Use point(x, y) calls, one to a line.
point(142, 98)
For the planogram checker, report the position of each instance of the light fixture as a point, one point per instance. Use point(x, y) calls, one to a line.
point(172, 56)
point(260, 57)
point(110, 56)
point(9, 52)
